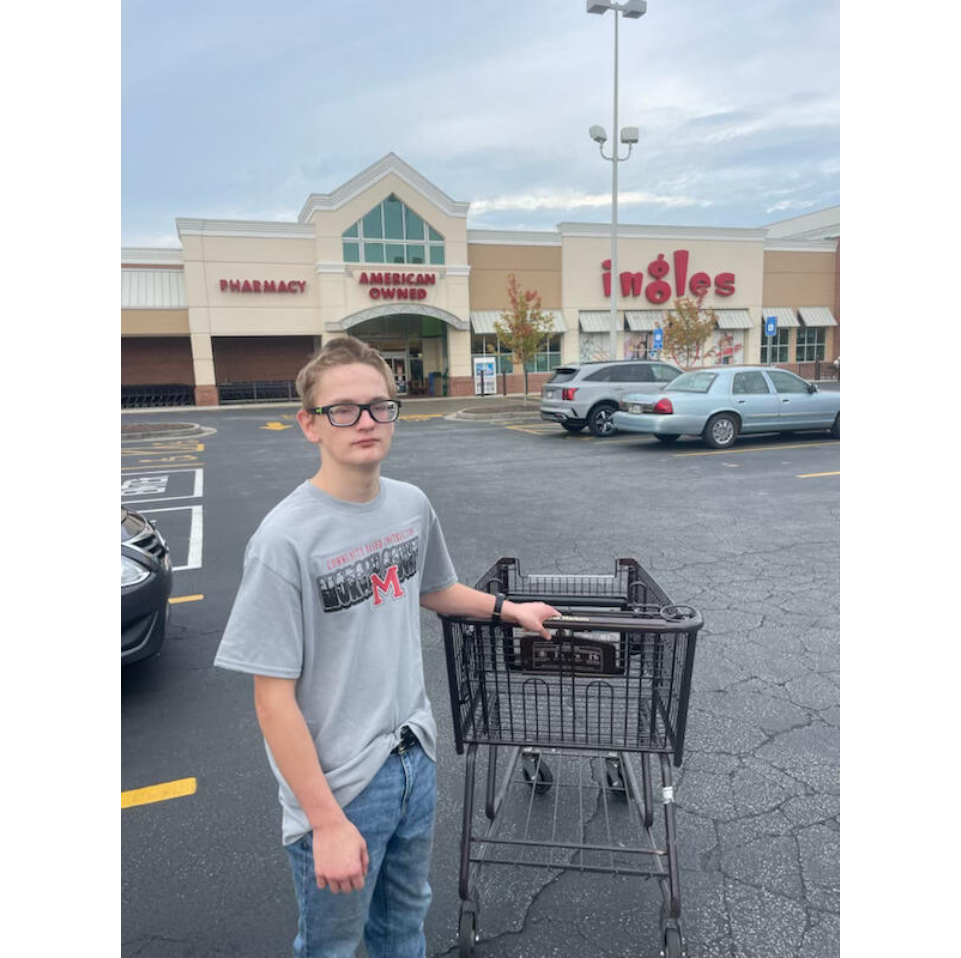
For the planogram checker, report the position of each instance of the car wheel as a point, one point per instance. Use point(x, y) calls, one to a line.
point(601, 421)
point(572, 427)
point(720, 431)
point(667, 437)
point(836, 428)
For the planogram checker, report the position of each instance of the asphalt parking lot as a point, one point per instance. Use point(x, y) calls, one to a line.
point(749, 536)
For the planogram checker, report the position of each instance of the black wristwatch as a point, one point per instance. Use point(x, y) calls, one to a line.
point(498, 604)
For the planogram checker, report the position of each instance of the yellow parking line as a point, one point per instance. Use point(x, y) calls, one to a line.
point(815, 475)
point(427, 415)
point(728, 452)
point(185, 598)
point(158, 793)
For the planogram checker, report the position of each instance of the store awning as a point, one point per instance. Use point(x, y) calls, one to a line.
point(817, 316)
point(482, 321)
point(733, 319)
point(785, 316)
point(596, 320)
point(645, 320)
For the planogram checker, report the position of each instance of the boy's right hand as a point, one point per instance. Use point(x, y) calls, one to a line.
point(340, 857)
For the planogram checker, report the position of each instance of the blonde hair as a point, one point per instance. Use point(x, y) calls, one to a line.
point(341, 351)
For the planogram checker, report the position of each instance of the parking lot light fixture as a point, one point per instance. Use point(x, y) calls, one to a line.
point(633, 10)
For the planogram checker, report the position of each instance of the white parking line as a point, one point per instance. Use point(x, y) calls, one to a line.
point(196, 548)
point(133, 500)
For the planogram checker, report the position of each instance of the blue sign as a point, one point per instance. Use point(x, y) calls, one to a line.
point(658, 338)
point(770, 325)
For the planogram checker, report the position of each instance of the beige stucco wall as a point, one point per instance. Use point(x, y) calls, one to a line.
point(154, 322)
point(582, 286)
point(583, 289)
point(535, 267)
point(799, 279)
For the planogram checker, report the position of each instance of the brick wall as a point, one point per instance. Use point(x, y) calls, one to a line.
point(244, 359)
point(145, 360)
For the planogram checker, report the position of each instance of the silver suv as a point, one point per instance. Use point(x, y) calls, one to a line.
point(587, 394)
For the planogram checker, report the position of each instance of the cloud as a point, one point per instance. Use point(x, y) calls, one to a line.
point(567, 200)
point(789, 205)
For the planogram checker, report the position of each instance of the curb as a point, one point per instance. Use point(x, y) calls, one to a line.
point(468, 415)
point(186, 430)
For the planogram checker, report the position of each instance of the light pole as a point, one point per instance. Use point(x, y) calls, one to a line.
point(633, 10)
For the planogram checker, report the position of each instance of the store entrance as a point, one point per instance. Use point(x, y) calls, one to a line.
point(415, 348)
point(400, 366)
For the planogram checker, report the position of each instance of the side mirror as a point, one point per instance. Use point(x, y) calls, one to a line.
point(812, 387)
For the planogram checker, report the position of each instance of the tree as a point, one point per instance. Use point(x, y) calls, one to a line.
point(686, 328)
point(524, 326)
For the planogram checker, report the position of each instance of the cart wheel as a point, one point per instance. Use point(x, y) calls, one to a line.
point(467, 934)
point(530, 766)
point(672, 946)
point(615, 781)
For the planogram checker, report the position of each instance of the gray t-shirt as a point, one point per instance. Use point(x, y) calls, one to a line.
point(329, 597)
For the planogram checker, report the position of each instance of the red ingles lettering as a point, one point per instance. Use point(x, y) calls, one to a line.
point(658, 290)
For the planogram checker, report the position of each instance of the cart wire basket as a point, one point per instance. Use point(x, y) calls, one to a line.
point(605, 693)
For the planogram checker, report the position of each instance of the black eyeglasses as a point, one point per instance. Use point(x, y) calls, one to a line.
point(347, 413)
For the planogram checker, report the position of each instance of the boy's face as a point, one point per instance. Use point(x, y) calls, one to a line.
point(366, 442)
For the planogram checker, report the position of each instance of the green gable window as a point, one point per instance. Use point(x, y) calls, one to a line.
point(409, 239)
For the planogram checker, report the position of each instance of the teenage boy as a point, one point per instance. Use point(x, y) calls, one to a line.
point(327, 619)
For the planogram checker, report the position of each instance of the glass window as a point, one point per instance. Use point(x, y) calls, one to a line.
point(692, 383)
point(415, 226)
point(372, 226)
point(663, 373)
point(749, 384)
point(549, 357)
point(393, 219)
point(810, 344)
point(602, 375)
point(774, 349)
point(373, 252)
point(351, 252)
point(785, 382)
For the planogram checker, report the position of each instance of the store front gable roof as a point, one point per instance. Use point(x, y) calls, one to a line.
point(363, 181)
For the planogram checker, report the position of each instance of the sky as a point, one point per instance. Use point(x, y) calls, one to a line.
point(241, 110)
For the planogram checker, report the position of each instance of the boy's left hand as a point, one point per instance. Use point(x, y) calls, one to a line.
point(531, 615)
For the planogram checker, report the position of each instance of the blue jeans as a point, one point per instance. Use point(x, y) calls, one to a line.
point(395, 814)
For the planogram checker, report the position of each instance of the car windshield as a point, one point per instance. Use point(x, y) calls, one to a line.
point(563, 374)
point(691, 383)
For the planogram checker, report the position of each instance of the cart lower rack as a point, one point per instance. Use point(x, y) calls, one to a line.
point(579, 716)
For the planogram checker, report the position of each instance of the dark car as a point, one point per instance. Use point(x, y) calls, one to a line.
point(145, 583)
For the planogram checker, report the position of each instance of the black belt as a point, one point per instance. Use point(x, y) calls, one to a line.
point(407, 741)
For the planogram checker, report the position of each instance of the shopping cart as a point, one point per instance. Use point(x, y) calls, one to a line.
point(609, 689)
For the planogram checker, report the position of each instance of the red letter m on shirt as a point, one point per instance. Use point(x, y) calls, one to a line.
point(383, 586)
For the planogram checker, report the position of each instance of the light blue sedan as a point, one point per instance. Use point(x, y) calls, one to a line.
point(721, 402)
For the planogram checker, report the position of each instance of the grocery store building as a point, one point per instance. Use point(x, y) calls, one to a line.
point(387, 257)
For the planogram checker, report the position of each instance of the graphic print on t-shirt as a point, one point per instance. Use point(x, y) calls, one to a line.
point(374, 570)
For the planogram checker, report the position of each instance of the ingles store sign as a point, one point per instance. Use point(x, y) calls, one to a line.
point(656, 287)
point(397, 285)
